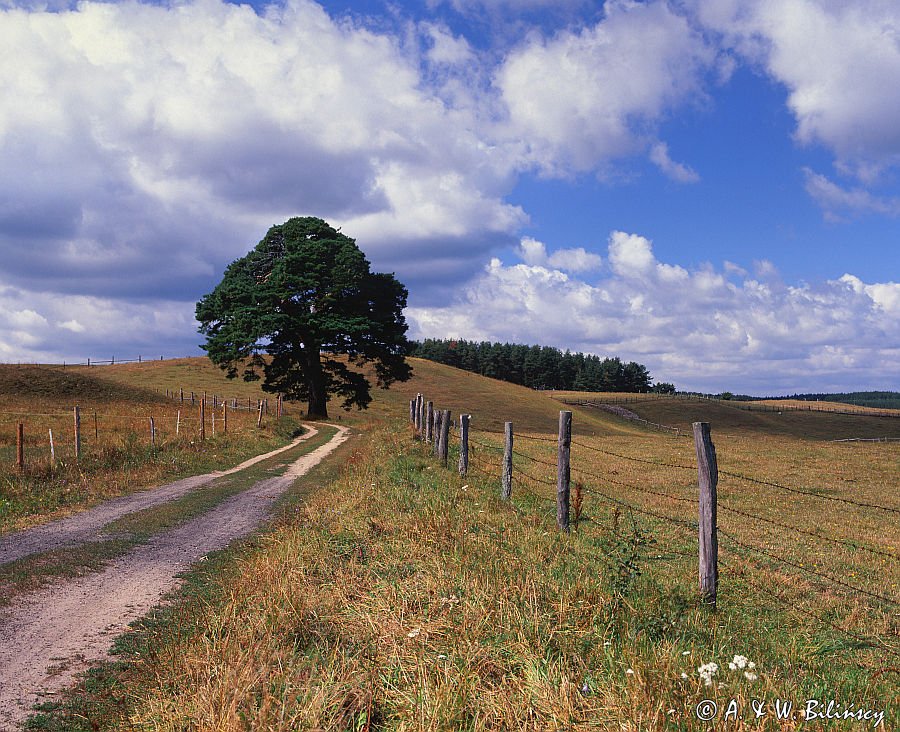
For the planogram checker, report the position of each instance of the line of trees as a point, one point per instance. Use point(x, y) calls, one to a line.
point(539, 367)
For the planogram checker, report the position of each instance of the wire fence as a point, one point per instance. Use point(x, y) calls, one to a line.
point(769, 557)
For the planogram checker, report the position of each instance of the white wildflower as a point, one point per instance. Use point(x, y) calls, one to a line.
point(413, 633)
point(707, 671)
point(629, 671)
point(685, 653)
point(739, 662)
point(683, 675)
point(750, 676)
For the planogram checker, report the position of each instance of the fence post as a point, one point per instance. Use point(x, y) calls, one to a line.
point(52, 449)
point(412, 407)
point(225, 418)
point(20, 446)
point(420, 415)
point(464, 444)
point(77, 432)
point(429, 421)
point(178, 422)
point(506, 477)
point(444, 450)
point(202, 421)
point(563, 472)
point(152, 433)
point(181, 393)
point(708, 477)
point(436, 432)
point(259, 418)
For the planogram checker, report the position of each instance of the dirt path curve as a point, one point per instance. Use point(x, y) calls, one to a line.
point(53, 634)
point(87, 525)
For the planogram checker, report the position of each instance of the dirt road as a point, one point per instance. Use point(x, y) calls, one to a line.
point(49, 636)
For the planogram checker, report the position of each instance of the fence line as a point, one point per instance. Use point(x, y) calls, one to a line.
point(584, 481)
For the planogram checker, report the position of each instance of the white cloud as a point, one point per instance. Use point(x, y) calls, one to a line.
point(142, 152)
point(578, 259)
point(586, 97)
point(837, 59)
point(836, 201)
point(696, 328)
point(447, 48)
point(659, 156)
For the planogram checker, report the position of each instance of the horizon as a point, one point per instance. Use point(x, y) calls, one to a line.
point(709, 189)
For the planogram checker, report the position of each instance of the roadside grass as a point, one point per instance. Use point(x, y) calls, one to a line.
point(399, 596)
point(30, 573)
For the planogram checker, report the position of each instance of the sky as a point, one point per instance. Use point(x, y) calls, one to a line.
point(708, 187)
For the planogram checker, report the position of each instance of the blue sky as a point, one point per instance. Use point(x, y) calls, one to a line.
point(709, 187)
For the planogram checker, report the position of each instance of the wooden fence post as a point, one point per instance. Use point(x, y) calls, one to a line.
point(436, 432)
point(506, 478)
point(178, 422)
point(464, 443)
point(77, 432)
point(96, 428)
point(152, 433)
point(20, 446)
point(708, 477)
point(259, 418)
point(181, 393)
point(412, 407)
point(420, 410)
point(52, 449)
point(563, 472)
point(429, 421)
point(444, 450)
point(202, 421)
point(224, 418)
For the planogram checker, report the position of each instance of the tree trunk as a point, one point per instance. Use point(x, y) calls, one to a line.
point(315, 382)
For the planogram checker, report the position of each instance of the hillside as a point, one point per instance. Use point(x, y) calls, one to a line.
point(67, 385)
point(728, 418)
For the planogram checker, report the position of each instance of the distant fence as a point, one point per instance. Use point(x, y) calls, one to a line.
point(66, 434)
point(433, 426)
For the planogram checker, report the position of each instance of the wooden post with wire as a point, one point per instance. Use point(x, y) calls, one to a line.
point(259, 418)
point(77, 413)
point(444, 447)
point(563, 471)
point(506, 477)
point(224, 418)
point(429, 421)
point(464, 444)
point(202, 421)
point(708, 478)
point(152, 433)
point(436, 432)
point(52, 449)
point(20, 446)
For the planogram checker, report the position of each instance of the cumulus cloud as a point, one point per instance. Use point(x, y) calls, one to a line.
point(141, 152)
point(585, 97)
point(835, 59)
point(659, 156)
point(578, 259)
point(698, 329)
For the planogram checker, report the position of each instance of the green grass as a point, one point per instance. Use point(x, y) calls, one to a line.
point(398, 596)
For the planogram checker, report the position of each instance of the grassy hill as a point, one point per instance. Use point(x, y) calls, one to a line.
point(64, 386)
point(397, 595)
point(727, 418)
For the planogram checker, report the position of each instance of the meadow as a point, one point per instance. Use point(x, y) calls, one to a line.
point(118, 452)
point(395, 594)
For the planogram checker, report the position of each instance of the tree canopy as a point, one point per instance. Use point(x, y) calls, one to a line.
point(303, 295)
point(538, 367)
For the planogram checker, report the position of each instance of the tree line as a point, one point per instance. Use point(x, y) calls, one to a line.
point(539, 367)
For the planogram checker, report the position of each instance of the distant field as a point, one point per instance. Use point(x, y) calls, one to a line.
point(116, 404)
point(729, 417)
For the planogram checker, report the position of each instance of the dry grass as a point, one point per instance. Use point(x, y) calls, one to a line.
point(116, 451)
point(403, 597)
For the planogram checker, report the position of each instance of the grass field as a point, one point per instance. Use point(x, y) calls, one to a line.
point(400, 596)
point(117, 454)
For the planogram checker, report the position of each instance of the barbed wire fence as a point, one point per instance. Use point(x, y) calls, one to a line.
point(493, 456)
point(38, 437)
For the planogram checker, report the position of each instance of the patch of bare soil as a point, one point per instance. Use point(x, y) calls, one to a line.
point(50, 636)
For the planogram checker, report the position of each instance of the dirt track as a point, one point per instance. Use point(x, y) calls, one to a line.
point(49, 636)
